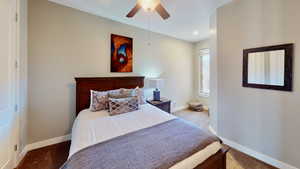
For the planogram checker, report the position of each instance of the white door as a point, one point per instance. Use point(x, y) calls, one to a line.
point(8, 120)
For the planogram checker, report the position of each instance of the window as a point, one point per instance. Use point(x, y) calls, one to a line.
point(204, 72)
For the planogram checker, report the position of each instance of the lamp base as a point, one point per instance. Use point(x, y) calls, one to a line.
point(156, 95)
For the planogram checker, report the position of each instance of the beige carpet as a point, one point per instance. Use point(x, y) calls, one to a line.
point(235, 159)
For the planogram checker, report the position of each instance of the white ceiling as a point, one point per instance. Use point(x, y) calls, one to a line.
point(187, 16)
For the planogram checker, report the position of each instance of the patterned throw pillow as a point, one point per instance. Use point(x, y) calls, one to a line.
point(119, 93)
point(123, 105)
point(127, 92)
point(99, 101)
point(123, 93)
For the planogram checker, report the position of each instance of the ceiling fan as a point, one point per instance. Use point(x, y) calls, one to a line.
point(149, 5)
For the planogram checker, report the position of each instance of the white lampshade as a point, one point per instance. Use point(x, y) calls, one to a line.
point(156, 83)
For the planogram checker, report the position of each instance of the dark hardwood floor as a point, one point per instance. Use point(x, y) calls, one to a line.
point(238, 160)
point(54, 156)
point(51, 157)
point(234, 158)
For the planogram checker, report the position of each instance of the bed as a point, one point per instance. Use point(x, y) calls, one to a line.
point(96, 136)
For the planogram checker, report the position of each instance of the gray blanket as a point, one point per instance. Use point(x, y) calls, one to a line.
point(157, 147)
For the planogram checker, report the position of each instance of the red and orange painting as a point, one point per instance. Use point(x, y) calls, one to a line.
point(121, 54)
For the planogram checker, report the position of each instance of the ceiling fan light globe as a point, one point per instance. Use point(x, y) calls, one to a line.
point(149, 5)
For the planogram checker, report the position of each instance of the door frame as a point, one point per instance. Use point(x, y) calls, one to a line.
point(17, 79)
point(12, 125)
point(15, 68)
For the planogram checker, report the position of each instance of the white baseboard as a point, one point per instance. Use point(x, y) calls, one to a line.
point(267, 159)
point(176, 109)
point(211, 129)
point(48, 142)
point(41, 144)
point(21, 156)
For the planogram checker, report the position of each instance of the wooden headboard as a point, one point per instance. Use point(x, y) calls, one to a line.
point(85, 84)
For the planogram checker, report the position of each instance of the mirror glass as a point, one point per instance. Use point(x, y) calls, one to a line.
point(266, 68)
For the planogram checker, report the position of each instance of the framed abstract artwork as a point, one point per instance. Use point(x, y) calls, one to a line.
point(121, 54)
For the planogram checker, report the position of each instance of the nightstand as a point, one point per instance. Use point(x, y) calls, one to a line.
point(164, 104)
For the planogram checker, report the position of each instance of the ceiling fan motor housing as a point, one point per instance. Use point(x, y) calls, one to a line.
point(149, 5)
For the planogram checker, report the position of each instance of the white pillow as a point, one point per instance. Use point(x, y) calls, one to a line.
point(140, 94)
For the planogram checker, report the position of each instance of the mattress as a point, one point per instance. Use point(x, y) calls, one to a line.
point(91, 128)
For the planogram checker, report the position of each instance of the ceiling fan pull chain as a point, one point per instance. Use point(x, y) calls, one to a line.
point(149, 32)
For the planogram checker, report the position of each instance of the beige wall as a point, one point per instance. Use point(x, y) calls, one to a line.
point(65, 43)
point(266, 121)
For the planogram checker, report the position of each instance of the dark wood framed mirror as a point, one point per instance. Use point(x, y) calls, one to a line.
point(269, 67)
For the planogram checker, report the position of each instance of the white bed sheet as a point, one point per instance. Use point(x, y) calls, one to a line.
point(95, 127)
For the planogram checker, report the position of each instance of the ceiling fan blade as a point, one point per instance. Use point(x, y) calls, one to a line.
point(162, 11)
point(134, 11)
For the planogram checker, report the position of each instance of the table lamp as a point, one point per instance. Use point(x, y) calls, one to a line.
point(157, 84)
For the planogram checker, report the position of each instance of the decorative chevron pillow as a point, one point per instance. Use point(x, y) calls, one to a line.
point(123, 105)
